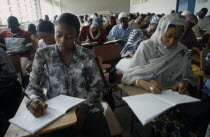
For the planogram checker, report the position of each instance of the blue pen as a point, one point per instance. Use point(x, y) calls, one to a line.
point(154, 77)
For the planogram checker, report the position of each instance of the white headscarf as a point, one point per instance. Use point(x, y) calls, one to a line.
point(146, 61)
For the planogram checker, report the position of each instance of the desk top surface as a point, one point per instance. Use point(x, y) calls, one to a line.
point(66, 120)
point(132, 90)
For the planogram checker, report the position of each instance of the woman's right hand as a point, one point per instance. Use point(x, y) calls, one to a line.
point(154, 87)
point(37, 108)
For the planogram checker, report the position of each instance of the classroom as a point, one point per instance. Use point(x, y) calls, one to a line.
point(104, 68)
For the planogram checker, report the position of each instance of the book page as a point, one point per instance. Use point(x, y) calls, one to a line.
point(32, 124)
point(174, 98)
point(146, 107)
point(62, 103)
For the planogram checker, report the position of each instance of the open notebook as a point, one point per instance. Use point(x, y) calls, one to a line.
point(57, 107)
point(148, 106)
point(115, 41)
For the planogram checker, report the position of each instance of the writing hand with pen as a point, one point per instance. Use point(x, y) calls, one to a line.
point(36, 106)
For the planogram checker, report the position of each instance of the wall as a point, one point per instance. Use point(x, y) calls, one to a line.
point(91, 6)
point(199, 6)
point(154, 6)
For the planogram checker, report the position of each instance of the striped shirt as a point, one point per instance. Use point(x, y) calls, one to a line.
point(15, 42)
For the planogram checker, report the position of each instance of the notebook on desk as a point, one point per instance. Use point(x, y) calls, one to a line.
point(57, 107)
point(148, 106)
point(115, 41)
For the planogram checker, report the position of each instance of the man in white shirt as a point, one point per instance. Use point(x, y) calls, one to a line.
point(203, 20)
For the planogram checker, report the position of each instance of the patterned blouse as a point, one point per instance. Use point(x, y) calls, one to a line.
point(81, 79)
point(135, 38)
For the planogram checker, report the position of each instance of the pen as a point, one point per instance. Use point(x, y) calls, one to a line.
point(27, 96)
point(154, 77)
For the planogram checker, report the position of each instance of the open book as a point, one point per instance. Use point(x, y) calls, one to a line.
point(57, 107)
point(148, 106)
point(89, 44)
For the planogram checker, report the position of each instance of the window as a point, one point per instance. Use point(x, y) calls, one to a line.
point(50, 8)
point(28, 10)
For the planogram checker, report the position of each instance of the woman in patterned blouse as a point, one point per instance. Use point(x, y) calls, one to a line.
point(71, 70)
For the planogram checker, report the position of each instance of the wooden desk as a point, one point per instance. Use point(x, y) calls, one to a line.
point(132, 90)
point(114, 126)
point(66, 120)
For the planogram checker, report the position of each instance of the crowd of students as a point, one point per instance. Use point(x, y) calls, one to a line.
point(52, 53)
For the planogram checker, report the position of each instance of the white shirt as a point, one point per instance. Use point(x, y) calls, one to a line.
point(203, 23)
point(41, 44)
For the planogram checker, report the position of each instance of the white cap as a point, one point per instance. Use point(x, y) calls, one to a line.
point(185, 12)
point(121, 15)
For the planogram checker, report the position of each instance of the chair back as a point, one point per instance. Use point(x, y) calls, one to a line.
point(108, 53)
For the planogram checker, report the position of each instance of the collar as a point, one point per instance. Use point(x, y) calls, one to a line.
point(57, 53)
point(120, 27)
point(19, 31)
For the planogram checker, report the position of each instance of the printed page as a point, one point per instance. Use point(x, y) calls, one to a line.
point(32, 124)
point(146, 107)
point(62, 103)
point(174, 98)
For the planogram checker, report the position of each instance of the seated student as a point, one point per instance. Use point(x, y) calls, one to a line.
point(17, 42)
point(72, 71)
point(132, 21)
point(93, 32)
point(10, 91)
point(122, 30)
point(112, 23)
point(137, 36)
point(203, 20)
point(46, 32)
point(189, 40)
point(163, 63)
point(34, 37)
point(32, 31)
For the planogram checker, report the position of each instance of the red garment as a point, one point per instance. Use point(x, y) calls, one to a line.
point(15, 42)
point(85, 33)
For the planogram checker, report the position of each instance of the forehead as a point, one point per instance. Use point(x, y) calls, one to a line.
point(63, 27)
point(123, 19)
point(44, 34)
point(175, 31)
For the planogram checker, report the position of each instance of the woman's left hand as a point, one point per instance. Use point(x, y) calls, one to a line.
point(181, 87)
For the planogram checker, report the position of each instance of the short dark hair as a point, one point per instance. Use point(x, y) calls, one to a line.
point(13, 20)
point(70, 19)
point(32, 28)
point(204, 10)
point(46, 26)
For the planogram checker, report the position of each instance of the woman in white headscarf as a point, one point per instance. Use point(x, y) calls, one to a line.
point(162, 62)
